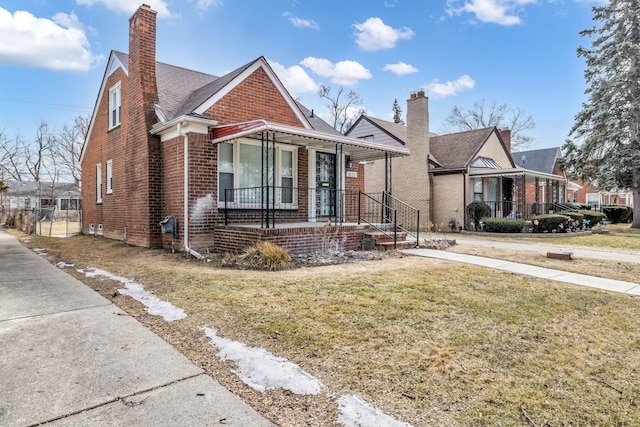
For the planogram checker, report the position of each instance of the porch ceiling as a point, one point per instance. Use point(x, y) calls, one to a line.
point(497, 173)
point(358, 149)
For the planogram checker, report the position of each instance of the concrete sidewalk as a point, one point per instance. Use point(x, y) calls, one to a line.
point(69, 357)
point(542, 248)
point(530, 270)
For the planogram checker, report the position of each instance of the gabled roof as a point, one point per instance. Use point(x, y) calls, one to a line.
point(458, 150)
point(394, 130)
point(543, 160)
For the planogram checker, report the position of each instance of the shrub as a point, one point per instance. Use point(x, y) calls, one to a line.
point(577, 217)
point(261, 256)
point(579, 206)
point(551, 222)
point(478, 210)
point(618, 213)
point(592, 217)
point(503, 225)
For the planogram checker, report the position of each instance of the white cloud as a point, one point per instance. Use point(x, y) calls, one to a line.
point(502, 12)
point(129, 6)
point(206, 4)
point(302, 23)
point(437, 90)
point(373, 35)
point(58, 43)
point(346, 73)
point(400, 68)
point(295, 79)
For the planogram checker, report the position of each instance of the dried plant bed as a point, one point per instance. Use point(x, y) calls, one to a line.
point(428, 341)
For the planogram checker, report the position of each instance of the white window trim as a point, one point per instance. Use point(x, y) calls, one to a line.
point(278, 174)
point(109, 176)
point(115, 105)
point(99, 183)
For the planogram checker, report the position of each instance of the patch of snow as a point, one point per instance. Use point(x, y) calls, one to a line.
point(262, 370)
point(40, 251)
point(155, 306)
point(63, 264)
point(353, 412)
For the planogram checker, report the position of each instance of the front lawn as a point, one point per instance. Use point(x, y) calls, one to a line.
point(430, 342)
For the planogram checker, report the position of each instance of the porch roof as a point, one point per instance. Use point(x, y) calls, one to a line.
point(496, 173)
point(358, 149)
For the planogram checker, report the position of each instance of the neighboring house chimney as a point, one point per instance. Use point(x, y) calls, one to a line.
point(505, 134)
point(143, 161)
point(411, 174)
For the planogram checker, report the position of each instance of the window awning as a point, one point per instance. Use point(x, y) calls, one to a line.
point(358, 149)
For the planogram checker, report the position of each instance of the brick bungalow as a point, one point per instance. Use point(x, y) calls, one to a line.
point(444, 173)
point(221, 162)
point(575, 191)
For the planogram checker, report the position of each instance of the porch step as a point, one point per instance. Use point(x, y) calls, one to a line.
point(400, 244)
point(385, 242)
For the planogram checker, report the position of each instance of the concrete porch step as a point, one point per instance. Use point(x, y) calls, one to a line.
point(380, 237)
point(400, 244)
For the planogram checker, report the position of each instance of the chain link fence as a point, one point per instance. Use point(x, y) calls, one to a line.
point(49, 222)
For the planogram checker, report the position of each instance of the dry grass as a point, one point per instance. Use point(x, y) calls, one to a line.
point(429, 342)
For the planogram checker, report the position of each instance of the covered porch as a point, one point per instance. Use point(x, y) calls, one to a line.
point(301, 189)
point(517, 192)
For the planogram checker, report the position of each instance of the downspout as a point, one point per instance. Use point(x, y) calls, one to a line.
point(186, 194)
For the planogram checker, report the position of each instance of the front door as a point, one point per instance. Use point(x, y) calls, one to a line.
point(507, 197)
point(325, 184)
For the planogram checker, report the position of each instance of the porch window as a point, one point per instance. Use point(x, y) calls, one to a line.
point(240, 168)
point(593, 199)
point(225, 172)
point(477, 189)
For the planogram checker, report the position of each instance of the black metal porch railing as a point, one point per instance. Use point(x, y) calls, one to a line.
point(396, 214)
point(289, 205)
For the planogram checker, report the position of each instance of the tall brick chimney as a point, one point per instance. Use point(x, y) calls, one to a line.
point(505, 134)
point(143, 167)
point(411, 174)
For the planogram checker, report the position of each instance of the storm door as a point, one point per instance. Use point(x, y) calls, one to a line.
point(325, 184)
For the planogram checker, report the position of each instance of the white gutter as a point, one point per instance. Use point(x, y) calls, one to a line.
point(186, 194)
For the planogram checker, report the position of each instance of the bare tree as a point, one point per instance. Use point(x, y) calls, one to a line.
point(69, 148)
point(11, 160)
point(39, 159)
point(343, 111)
point(499, 115)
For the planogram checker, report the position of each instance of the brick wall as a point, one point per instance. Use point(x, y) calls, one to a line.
point(448, 195)
point(143, 151)
point(256, 98)
point(296, 240)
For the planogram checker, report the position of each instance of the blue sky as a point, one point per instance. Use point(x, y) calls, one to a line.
point(519, 52)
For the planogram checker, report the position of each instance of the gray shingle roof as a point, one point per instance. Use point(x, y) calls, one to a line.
point(181, 91)
point(543, 160)
point(457, 150)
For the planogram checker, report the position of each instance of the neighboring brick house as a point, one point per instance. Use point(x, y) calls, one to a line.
point(204, 152)
point(444, 173)
point(575, 191)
